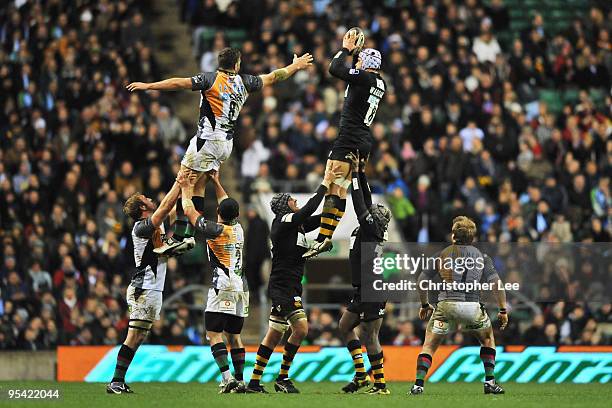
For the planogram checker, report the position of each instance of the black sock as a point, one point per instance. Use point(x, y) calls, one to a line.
point(423, 364)
point(238, 362)
point(219, 352)
point(124, 358)
point(329, 217)
point(263, 356)
point(198, 203)
point(288, 356)
point(487, 355)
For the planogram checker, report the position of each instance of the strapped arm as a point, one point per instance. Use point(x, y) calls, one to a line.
point(351, 75)
point(366, 221)
point(310, 207)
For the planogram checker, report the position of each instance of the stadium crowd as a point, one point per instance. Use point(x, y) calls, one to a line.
point(462, 130)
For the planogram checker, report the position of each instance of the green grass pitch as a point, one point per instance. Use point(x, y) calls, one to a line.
point(316, 395)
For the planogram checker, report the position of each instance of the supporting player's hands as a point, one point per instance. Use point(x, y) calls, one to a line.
point(502, 317)
point(186, 179)
point(354, 159)
point(425, 311)
point(214, 176)
point(302, 62)
point(331, 174)
point(137, 86)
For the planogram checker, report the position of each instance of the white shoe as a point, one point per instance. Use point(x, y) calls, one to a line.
point(416, 390)
point(172, 247)
point(318, 248)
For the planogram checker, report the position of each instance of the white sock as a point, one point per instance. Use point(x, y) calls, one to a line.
point(226, 375)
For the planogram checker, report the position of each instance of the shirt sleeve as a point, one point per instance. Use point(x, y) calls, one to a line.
point(489, 273)
point(351, 75)
point(144, 228)
point(252, 83)
point(207, 229)
point(202, 81)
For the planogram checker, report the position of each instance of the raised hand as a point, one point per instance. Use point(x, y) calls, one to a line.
point(137, 86)
point(302, 62)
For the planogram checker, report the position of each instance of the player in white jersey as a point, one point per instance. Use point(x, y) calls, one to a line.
point(144, 293)
point(228, 296)
point(222, 95)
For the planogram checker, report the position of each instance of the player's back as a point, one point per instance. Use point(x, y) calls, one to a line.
point(288, 245)
point(225, 254)
point(468, 266)
point(361, 100)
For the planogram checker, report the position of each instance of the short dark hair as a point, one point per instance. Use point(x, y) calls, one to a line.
point(229, 209)
point(228, 57)
point(132, 206)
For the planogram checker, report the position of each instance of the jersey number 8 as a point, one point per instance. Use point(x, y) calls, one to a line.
point(373, 102)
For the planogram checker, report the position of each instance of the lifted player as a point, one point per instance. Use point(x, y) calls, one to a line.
point(285, 285)
point(460, 307)
point(228, 296)
point(222, 95)
point(366, 244)
point(363, 93)
point(144, 293)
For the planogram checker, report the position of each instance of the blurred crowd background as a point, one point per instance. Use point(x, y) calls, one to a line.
point(494, 110)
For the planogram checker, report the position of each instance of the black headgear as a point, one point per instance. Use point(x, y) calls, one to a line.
point(280, 204)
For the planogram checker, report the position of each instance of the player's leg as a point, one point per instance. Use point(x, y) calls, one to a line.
point(277, 327)
point(144, 306)
point(348, 322)
point(334, 206)
point(370, 327)
point(233, 328)
point(299, 329)
point(487, 355)
point(425, 358)
point(437, 328)
point(215, 325)
point(133, 340)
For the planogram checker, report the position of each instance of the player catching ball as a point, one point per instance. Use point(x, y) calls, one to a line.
point(463, 308)
point(365, 88)
point(222, 96)
point(366, 245)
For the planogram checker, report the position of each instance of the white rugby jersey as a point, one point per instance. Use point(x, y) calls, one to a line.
point(150, 268)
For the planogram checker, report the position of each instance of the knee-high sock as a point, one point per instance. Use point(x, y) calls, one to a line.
point(261, 360)
point(423, 364)
point(198, 203)
point(124, 358)
point(376, 361)
point(329, 217)
point(288, 355)
point(219, 352)
point(238, 362)
point(487, 355)
point(354, 347)
point(181, 224)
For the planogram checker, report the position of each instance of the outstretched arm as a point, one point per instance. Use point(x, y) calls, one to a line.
point(170, 84)
point(166, 205)
point(360, 193)
point(282, 74)
point(219, 191)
